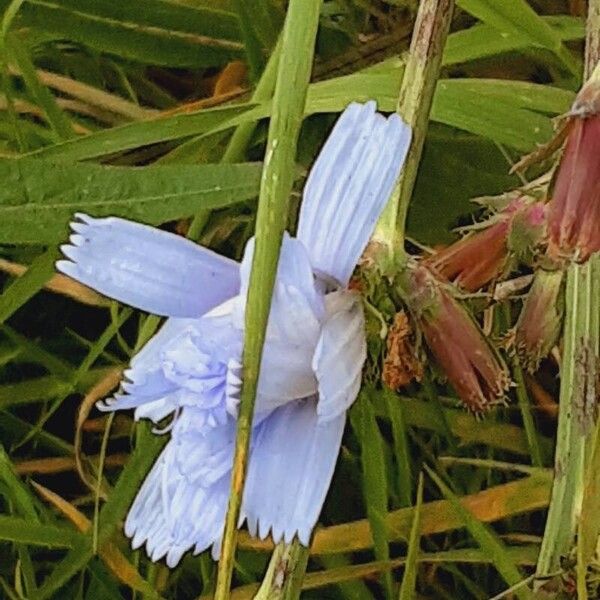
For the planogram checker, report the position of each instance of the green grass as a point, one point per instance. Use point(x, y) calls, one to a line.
point(109, 109)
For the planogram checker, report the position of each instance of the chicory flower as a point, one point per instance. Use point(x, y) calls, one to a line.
point(191, 370)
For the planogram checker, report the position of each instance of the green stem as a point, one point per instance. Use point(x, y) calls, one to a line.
point(283, 580)
point(577, 433)
point(236, 149)
point(523, 399)
point(526, 414)
point(293, 76)
point(592, 41)
point(567, 490)
point(414, 105)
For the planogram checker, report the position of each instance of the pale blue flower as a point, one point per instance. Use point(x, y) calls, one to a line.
point(312, 361)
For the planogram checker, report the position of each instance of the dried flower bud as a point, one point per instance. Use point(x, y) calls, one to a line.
point(472, 366)
point(401, 364)
point(481, 256)
point(574, 211)
point(540, 321)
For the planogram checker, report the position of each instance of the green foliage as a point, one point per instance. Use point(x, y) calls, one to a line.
point(43, 196)
point(134, 109)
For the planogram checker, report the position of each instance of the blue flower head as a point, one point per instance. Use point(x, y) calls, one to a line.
point(313, 356)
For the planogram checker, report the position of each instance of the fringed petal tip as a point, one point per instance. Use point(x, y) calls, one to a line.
point(172, 513)
point(233, 386)
point(263, 529)
point(147, 268)
point(290, 471)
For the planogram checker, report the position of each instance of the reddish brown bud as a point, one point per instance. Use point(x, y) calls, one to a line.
point(574, 214)
point(472, 366)
point(540, 321)
point(481, 256)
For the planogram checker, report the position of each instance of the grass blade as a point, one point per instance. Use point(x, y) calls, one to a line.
point(489, 542)
point(409, 581)
point(295, 65)
point(375, 486)
point(23, 289)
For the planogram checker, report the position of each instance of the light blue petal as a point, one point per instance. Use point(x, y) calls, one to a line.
point(181, 504)
point(144, 381)
point(145, 267)
point(340, 354)
point(290, 471)
point(349, 186)
point(297, 309)
point(186, 364)
point(294, 270)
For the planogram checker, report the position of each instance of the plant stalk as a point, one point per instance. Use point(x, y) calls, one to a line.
point(577, 421)
point(414, 105)
point(565, 501)
point(293, 75)
point(283, 580)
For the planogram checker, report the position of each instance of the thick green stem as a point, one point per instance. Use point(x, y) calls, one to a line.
point(293, 76)
point(283, 580)
point(414, 105)
point(577, 431)
point(592, 40)
point(561, 522)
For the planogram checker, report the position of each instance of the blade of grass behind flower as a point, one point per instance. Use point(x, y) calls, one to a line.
point(482, 41)
point(409, 580)
point(113, 558)
point(18, 492)
point(94, 352)
point(522, 555)
point(23, 289)
point(503, 436)
point(395, 412)
point(147, 448)
point(37, 354)
point(54, 115)
point(353, 589)
point(15, 529)
point(487, 539)
point(492, 504)
point(509, 112)
point(517, 16)
point(12, 428)
point(375, 488)
point(44, 388)
point(254, 52)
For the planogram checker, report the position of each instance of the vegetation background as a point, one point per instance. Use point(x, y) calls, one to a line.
point(157, 88)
